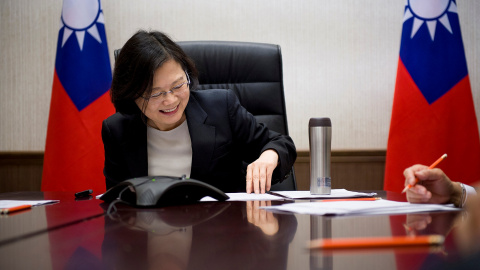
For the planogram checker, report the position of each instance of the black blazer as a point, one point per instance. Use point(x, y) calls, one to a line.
point(224, 136)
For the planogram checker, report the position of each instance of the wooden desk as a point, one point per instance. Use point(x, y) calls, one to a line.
point(213, 235)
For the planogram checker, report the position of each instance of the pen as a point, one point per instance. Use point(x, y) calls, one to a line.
point(350, 199)
point(83, 193)
point(376, 242)
point(276, 194)
point(431, 167)
point(4, 211)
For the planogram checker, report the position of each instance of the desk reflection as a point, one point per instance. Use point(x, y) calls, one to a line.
point(223, 235)
point(431, 223)
point(378, 226)
point(320, 227)
point(217, 235)
point(261, 218)
point(462, 246)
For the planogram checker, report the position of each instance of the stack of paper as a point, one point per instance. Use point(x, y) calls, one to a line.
point(293, 195)
point(377, 207)
point(335, 194)
point(14, 203)
point(242, 196)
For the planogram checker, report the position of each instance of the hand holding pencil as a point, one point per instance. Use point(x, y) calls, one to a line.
point(409, 185)
point(434, 186)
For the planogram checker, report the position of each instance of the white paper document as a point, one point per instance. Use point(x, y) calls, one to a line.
point(14, 203)
point(378, 207)
point(243, 196)
point(335, 193)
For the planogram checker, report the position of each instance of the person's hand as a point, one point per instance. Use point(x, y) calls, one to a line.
point(433, 186)
point(467, 234)
point(261, 218)
point(259, 172)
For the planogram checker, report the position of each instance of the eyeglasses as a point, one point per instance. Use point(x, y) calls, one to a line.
point(176, 89)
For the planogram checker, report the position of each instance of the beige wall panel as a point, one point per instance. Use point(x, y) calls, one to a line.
point(340, 57)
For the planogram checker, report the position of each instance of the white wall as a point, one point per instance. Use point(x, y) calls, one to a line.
point(340, 57)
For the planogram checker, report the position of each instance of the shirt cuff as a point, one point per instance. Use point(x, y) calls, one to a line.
point(469, 192)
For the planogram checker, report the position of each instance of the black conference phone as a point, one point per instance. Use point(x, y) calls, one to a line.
point(155, 191)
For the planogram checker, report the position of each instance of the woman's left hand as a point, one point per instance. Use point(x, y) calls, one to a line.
point(259, 172)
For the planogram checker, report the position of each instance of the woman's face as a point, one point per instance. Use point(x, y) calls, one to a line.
point(167, 110)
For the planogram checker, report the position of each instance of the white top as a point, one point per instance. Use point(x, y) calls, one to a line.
point(169, 152)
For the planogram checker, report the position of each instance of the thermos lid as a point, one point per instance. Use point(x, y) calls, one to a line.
point(320, 122)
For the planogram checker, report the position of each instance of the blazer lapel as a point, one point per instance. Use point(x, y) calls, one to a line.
point(135, 147)
point(202, 136)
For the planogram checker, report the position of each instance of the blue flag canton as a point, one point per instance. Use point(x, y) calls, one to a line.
point(85, 72)
point(435, 64)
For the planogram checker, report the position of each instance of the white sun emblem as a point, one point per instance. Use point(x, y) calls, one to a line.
point(429, 11)
point(81, 16)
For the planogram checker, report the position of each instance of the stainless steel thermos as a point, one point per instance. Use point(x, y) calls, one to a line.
point(320, 137)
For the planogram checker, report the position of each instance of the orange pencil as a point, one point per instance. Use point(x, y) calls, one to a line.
point(431, 167)
point(14, 209)
point(350, 199)
point(377, 242)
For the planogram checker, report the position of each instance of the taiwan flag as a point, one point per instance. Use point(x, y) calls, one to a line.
point(74, 154)
point(433, 111)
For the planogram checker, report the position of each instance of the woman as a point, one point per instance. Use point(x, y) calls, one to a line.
point(164, 127)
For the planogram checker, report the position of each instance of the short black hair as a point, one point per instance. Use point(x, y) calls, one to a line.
point(136, 64)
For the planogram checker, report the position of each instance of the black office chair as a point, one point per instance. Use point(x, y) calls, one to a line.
point(254, 72)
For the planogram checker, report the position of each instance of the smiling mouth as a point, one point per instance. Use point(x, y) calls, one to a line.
point(170, 110)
